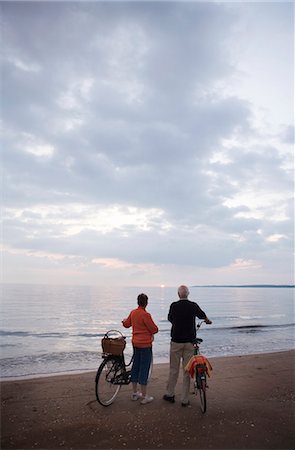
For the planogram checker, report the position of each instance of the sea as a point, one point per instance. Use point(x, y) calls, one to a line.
point(48, 330)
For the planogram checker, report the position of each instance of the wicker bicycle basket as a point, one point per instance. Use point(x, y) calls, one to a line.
point(113, 345)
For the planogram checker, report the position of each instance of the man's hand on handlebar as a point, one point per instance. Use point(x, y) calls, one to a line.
point(208, 321)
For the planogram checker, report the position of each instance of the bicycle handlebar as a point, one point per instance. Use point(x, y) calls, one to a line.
point(203, 321)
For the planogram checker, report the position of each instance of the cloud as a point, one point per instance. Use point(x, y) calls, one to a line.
point(127, 142)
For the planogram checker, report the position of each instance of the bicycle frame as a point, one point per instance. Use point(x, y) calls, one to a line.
point(119, 366)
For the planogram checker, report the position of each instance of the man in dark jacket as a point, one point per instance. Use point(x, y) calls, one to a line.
point(182, 315)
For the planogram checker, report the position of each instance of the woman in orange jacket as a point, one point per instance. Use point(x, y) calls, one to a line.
point(143, 330)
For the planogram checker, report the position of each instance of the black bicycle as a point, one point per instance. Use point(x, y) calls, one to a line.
point(200, 381)
point(112, 374)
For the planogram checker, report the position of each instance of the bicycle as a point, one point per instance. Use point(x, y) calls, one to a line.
point(200, 381)
point(112, 374)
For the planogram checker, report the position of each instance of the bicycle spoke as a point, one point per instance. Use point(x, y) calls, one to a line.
point(106, 387)
point(202, 392)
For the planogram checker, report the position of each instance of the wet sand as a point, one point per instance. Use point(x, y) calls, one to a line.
point(250, 406)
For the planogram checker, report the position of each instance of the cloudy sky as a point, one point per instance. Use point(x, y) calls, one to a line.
point(147, 143)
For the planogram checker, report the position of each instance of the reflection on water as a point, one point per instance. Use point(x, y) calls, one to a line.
point(47, 329)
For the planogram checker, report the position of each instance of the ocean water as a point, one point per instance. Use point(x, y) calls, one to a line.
point(56, 329)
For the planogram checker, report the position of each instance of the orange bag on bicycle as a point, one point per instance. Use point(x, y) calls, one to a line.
point(199, 363)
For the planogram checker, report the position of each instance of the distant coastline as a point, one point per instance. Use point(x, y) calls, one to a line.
point(245, 285)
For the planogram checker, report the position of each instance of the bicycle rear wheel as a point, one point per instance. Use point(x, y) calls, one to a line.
point(202, 393)
point(106, 388)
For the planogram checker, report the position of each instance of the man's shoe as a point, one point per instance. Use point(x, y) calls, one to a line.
point(169, 398)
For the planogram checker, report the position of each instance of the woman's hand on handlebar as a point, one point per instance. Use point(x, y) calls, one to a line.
point(208, 321)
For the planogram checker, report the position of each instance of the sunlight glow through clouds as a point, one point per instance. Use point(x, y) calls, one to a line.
point(73, 218)
point(37, 254)
point(31, 144)
point(114, 263)
point(259, 205)
point(241, 264)
point(275, 237)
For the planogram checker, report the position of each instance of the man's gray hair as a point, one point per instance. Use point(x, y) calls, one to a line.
point(183, 291)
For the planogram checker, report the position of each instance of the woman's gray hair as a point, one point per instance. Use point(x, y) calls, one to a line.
point(183, 291)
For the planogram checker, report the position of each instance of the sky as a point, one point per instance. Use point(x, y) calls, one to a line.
point(147, 143)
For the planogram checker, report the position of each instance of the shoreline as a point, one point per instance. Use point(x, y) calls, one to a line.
point(249, 407)
point(86, 371)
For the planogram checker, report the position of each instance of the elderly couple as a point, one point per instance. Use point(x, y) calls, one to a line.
point(182, 315)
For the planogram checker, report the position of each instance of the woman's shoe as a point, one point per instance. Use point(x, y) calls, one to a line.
point(146, 400)
point(136, 395)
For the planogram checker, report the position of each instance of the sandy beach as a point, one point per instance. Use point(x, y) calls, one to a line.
point(250, 406)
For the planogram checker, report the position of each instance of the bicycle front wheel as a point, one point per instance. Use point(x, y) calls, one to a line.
point(106, 388)
point(202, 393)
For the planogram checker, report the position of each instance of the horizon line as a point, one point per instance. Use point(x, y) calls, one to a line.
point(246, 285)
